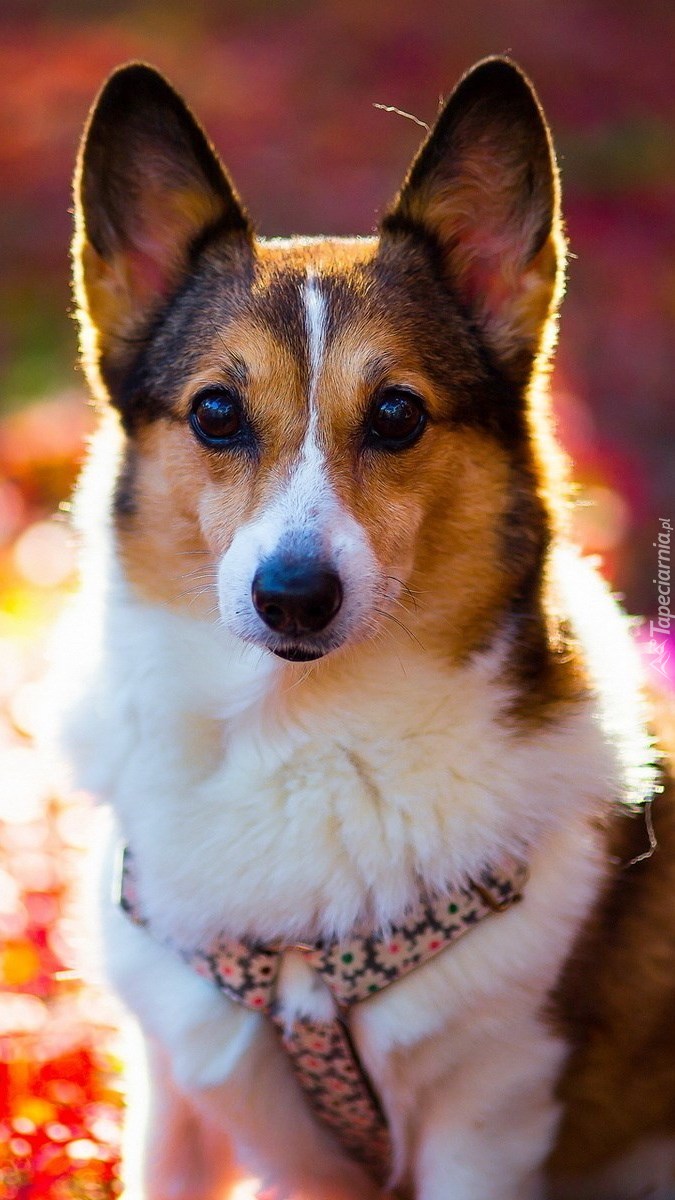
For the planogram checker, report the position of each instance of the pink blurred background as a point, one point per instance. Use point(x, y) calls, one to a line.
point(287, 89)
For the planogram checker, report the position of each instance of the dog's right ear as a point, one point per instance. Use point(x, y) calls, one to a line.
point(149, 188)
point(484, 190)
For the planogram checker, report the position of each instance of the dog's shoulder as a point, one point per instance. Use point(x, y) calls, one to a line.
point(616, 998)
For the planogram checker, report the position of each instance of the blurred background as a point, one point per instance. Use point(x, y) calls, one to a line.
point(287, 89)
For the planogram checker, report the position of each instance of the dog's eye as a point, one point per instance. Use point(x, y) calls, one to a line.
point(396, 420)
point(216, 416)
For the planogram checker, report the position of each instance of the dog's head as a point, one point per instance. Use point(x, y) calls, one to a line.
point(322, 431)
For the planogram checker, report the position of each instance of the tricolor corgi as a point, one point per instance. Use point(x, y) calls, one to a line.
point(349, 693)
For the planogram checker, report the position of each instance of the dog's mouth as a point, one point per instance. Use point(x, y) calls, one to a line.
point(296, 653)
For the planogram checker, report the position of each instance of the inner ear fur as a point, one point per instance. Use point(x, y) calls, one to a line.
point(484, 187)
point(149, 188)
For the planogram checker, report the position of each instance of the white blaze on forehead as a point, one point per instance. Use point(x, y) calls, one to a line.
point(309, 490)
point(316, 317)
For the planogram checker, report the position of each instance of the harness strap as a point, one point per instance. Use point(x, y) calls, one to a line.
point(327, 1067)
point(322, 1054)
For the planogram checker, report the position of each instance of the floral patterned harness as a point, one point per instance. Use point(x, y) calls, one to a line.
point(322, 1053)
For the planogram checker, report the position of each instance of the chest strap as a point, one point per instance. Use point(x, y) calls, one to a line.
point(321, 1053)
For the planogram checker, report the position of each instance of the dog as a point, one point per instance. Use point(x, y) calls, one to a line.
point(335, 663)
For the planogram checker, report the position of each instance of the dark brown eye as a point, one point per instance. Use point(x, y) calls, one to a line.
point(216, 416)
point(396, 420)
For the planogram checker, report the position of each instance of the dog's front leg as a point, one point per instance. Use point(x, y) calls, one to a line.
point(488, 1125)
point(170, 1152)
point(222, 1078)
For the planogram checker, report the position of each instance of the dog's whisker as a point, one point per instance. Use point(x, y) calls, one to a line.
point(197, 587)
point(204, 569)
point(200, 573)
point(388, 599)
point(377, 633)
point(412, 592)
point(309, 668)
point(390, 617)
point(192, 595)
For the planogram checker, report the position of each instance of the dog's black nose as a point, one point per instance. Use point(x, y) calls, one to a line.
point(296, 596)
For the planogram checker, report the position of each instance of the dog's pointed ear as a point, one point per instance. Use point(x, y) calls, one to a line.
point(148, 188)
point(484, 188)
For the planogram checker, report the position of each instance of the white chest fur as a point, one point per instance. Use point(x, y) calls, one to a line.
point(255, 804)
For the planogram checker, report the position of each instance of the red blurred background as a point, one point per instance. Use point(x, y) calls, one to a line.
point(287, 90)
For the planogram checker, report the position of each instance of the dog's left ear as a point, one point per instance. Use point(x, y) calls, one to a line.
point(149, 190)
point(484, 189)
